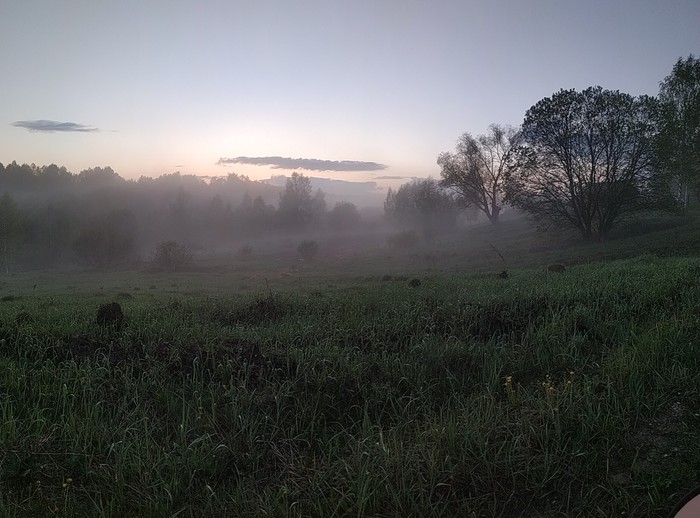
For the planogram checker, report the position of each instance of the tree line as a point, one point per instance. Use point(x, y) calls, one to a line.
point(584, 160)
point(52, 218)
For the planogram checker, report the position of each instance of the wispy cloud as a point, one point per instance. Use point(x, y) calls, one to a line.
point(393, 177)
point(310, 164)
point(51, 126)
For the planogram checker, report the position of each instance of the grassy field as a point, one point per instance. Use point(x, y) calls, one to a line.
point(268, 387)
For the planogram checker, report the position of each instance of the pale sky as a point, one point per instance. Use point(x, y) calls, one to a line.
point(172, 85)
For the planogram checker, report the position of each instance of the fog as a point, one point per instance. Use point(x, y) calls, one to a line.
point(53, 219)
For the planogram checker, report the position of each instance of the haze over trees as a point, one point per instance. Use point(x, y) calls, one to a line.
point(9, 227)
point(422, 205)
point(52, 218)
point(477, 171)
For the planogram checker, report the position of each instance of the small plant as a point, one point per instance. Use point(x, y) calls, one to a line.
point(406, 239)
point(308, 249)
point(245, 251)
point(170, 256)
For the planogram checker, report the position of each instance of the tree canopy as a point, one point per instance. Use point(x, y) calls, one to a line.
point(587, 159)
point(422, 205)
point(679, 135)
point(477, 171)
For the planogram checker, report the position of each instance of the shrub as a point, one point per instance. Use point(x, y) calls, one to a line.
point(245, 251)
point(110, 315)
point(406, 239)
point(307, 249)
point(170, 256)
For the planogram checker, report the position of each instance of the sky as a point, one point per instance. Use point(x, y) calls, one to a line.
point(360, 90)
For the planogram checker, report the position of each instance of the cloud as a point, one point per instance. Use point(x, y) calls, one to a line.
point(51, 126)
point(310, 164)
point(393, 177)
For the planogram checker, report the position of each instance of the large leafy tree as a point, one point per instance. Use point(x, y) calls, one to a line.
point(477, 171)
point(587, 159)
point(679, 136)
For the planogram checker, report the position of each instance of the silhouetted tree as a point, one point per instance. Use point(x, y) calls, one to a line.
point(587, 159)
point(679, 135)
point(477, 171)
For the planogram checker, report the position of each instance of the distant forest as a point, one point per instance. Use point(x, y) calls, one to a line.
point(52, 218)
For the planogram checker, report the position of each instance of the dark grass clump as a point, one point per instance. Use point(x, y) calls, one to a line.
point(110, 315)
point(258, 311)
point(23, 318)
point(414, 283)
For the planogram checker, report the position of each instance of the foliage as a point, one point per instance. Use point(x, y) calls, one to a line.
point(10, 224)
point(477, 171)
point(245, 251)
point(405, 239)
point(308, 249)
point(679, 137)
point(171, 256)
point(343, 217)
point(422, 204)
point(587, 160)
point(298, 207)
point(108, 241)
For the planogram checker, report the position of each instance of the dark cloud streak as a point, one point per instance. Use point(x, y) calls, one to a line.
point(310, 164)
point(47, 126)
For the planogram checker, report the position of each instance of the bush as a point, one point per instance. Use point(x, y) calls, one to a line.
point(307, 249)
point(245, 251)
point(406, 239)
point(170, 256)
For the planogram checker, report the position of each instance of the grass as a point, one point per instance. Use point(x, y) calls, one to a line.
point(542, 394)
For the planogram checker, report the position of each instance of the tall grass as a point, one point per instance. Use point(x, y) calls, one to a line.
point(542, 394)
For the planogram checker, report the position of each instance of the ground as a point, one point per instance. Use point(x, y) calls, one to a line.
point(267, 386)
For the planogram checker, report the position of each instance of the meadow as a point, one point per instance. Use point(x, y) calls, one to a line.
point(263, 386)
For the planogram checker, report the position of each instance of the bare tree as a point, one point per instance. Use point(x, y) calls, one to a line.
point(476, 172)
point(587, 159)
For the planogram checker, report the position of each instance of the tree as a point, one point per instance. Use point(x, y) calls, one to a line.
point(107, 241)
point(343, 217)
point(587, 159)
point(298, 207)
point(477, 171)
point(170, 256)
point(422, 204)
point(9, 226)
point(679, 135)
